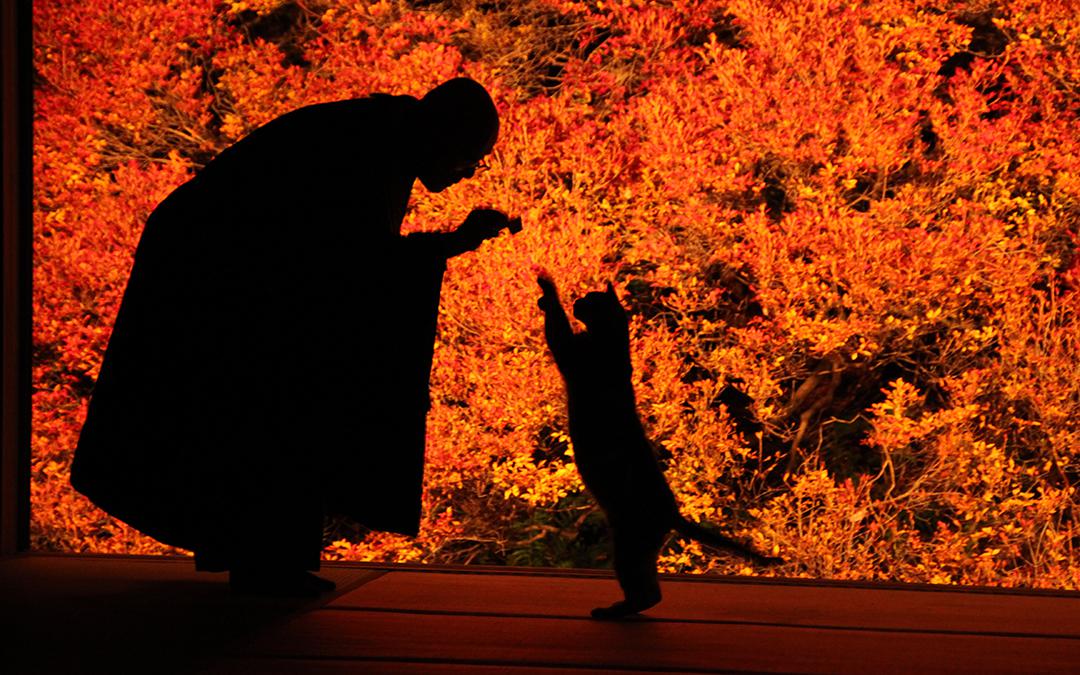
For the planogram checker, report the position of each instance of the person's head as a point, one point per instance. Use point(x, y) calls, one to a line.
point(458, 127)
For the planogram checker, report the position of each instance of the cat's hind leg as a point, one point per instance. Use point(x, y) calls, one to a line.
point(636, 551)
point(623, 608)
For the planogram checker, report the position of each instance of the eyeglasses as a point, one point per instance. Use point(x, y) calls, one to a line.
point(471, 169)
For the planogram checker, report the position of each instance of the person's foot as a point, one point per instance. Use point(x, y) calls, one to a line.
point(279, 583)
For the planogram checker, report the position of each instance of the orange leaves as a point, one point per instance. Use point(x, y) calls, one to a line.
point(873, 205)
point(379, 47)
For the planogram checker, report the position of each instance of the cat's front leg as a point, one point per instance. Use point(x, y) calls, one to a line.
point(557, 329)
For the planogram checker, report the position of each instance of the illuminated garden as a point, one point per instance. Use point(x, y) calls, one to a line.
point(846, 233)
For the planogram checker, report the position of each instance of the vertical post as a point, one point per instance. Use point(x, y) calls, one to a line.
point(15, 206)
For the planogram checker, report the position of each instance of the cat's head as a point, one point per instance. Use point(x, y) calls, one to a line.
point(600, 310)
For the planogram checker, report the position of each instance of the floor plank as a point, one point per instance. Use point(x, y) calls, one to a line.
point(656, 645)
point(112, 614)
point(267, 666)
point(730, 602)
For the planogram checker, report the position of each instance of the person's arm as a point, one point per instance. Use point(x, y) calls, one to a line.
point(557, 330)
point(479, 226)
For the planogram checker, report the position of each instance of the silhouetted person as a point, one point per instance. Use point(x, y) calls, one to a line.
point(271, 356)
point(615, 458)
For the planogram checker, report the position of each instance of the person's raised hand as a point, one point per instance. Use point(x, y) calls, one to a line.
point(484, 224)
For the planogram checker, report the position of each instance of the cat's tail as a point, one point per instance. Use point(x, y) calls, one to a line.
point(693, 530)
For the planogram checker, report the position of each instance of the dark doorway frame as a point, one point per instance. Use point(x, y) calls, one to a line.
point(16, 139)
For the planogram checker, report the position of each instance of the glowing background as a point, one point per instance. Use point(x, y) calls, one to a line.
point(847, 234)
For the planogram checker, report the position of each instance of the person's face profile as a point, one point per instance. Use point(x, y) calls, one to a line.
point(467, 169)
point(453, 135)
point(451, 170)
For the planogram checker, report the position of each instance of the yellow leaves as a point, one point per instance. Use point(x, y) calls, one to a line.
point(661, 186)
point(520, 477)
point(380, 8)
point(900, 396)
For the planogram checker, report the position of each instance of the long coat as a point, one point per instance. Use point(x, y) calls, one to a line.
point(272, 350)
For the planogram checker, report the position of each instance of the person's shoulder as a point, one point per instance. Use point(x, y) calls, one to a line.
point(331, 116)
point(374, 104)
point(318, 128)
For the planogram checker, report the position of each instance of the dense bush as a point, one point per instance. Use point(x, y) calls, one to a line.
point(846, 232)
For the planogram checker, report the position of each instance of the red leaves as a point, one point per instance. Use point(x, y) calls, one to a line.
point(776, 194)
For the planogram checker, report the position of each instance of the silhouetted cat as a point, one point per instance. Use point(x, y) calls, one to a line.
point(613, 455)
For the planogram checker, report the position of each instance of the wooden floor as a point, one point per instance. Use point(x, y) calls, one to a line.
point(68, 614)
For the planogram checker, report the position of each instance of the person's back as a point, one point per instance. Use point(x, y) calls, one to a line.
point(266, 293)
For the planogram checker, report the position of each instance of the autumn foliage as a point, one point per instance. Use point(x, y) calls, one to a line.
point(846, 233)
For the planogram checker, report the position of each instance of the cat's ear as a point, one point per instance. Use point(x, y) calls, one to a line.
point(611, 289)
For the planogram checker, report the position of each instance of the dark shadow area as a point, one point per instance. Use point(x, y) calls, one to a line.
point(101, 614)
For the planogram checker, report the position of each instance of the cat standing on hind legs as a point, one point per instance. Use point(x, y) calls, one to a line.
point(612, 453)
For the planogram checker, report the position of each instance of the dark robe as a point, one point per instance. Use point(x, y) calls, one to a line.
point(273, 347)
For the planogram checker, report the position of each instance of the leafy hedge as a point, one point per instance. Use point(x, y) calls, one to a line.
point(846, 232)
